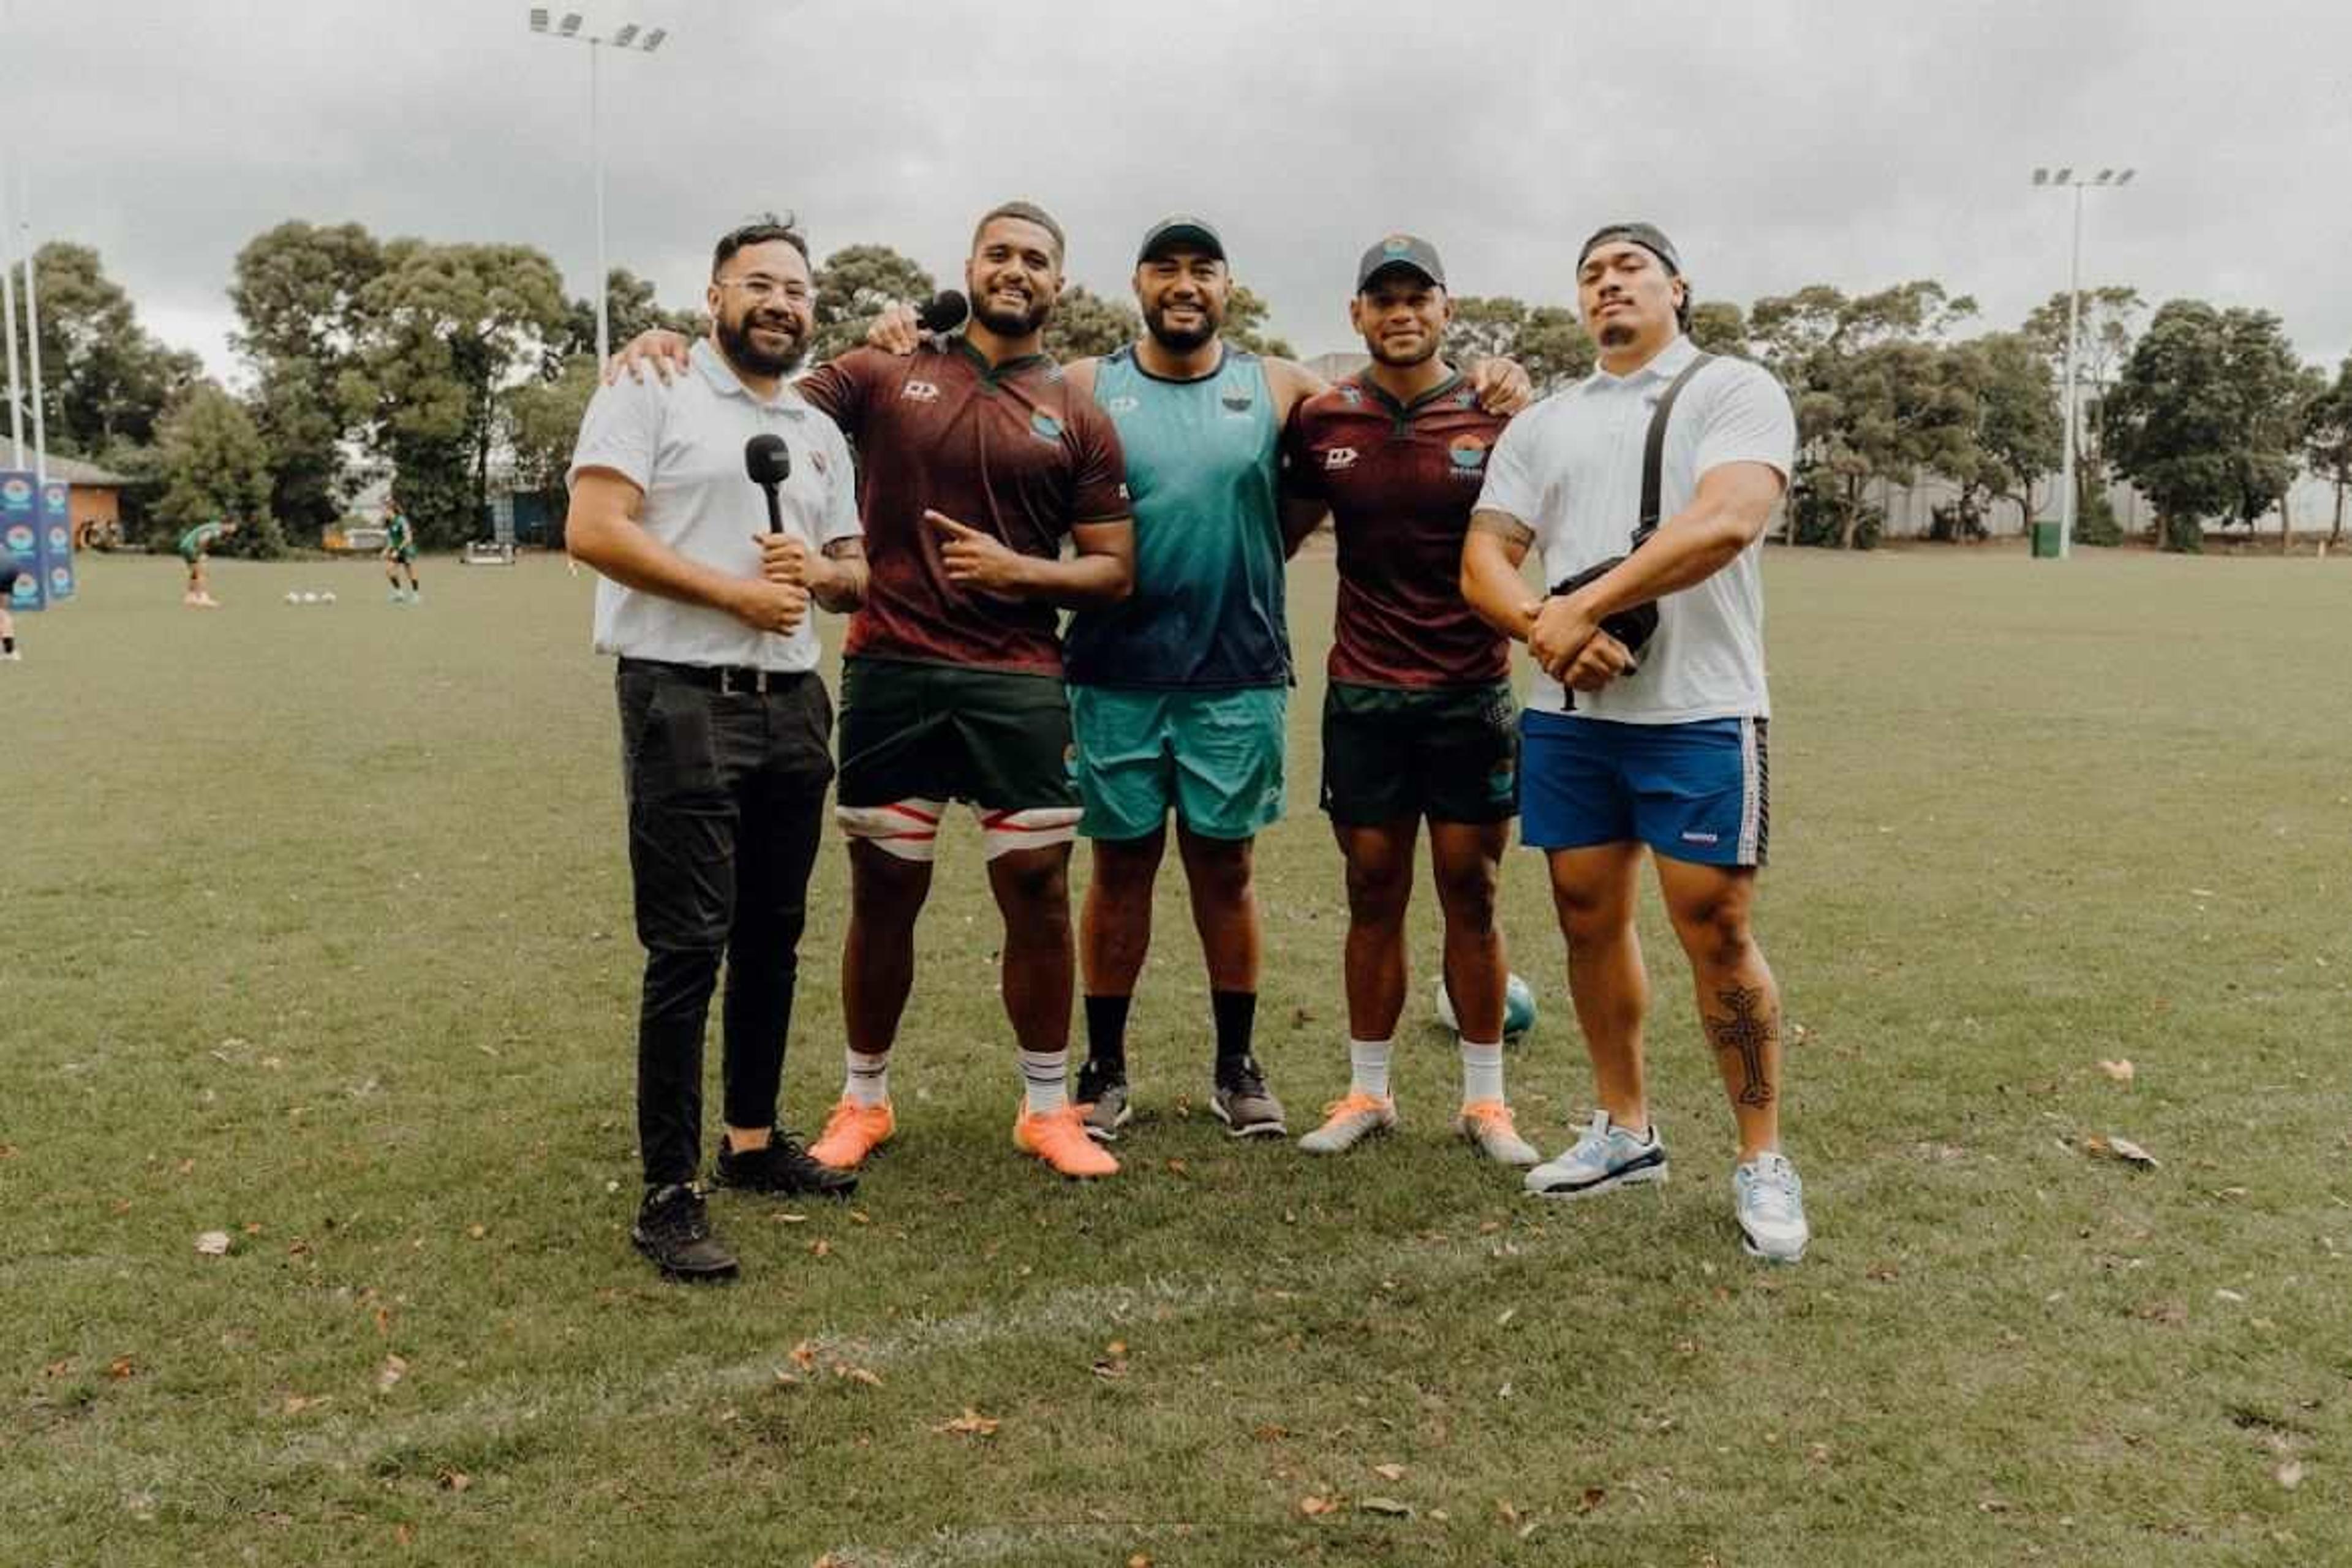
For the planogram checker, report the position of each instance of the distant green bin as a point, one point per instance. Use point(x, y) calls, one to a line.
point(2045, 541)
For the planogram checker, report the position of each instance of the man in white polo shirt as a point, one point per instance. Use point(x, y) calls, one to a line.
point(725, 726)
point(1646, 724)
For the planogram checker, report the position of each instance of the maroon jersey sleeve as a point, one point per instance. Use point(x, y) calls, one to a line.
point(1099, 485)
point(839, 387)
point(1301, 477)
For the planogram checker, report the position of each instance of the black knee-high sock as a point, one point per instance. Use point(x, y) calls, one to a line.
point(1106, 1031)
point(1237, 1016)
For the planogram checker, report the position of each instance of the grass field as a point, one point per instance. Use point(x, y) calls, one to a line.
point(317, 928)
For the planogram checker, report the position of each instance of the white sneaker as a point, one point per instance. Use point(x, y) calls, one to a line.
point(1770, 1203)
point(1606, 1157)
point(1487, 1124)
point(1348, 1121)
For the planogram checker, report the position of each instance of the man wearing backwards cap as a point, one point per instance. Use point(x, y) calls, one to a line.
point(1418, 719)
point(1664, 744)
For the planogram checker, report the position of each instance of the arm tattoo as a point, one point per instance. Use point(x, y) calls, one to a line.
point(1503, 526)
point(1750, 1031)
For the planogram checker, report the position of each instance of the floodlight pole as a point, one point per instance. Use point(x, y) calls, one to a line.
point(2073, 320)
point(2107, 178)
point(8, 323)
point(638, 40)
point(33, 333)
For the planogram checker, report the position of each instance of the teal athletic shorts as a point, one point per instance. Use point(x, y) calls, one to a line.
point(1213, 757)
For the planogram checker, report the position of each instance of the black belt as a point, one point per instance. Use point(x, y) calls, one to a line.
point(727, 680)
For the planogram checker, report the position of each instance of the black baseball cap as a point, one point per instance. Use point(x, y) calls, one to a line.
point(1181, 233)
point(1407, 250)
point(1648, 235)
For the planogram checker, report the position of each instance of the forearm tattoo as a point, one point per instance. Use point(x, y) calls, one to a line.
point(1503, 526)
point(1751, 1030)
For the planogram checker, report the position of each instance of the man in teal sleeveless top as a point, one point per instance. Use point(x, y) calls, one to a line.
point(1178, 697)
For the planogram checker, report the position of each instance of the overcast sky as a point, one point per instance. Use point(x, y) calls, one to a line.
point(1780, 143)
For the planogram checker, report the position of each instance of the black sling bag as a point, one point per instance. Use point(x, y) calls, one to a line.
point(1633, 627)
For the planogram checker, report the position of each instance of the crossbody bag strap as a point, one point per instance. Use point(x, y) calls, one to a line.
point(1653, 450)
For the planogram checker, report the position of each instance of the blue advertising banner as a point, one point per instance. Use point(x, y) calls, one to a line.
point(20, 534)
point(57, 542)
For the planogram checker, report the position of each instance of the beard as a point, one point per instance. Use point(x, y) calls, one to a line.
point(1618, 334)
point(1404, 359)
point(744, 351)
point(1183, 339)
point(1007, 323)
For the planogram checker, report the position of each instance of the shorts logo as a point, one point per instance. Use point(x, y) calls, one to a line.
point(1468, 456)
point(1694, 837)
point(919, 392)
point(1339, 458)
point(1044, 427)
point(1124, 404)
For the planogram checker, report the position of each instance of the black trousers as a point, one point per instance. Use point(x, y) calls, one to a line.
point(726, 794)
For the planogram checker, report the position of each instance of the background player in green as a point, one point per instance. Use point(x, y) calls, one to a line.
point(195, 549)
point(9, 572)
point(399, 551)
point(1418, 719)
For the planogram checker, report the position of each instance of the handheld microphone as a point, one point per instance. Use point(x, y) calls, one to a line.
point(942, 312)
point(770, 463)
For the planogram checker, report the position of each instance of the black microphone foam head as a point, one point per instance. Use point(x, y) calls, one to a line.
point(942, 312)
point(767, 459)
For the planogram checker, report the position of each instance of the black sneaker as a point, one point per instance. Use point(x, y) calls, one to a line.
point(782, 1167)
point(672, 1230)
point(1243, 1103)
point(1101, 1097)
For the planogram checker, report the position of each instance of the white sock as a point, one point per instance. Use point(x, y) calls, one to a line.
point(1482, 1071)
point(868, 1080)
point(1368, 1067)
point(1044, 1080)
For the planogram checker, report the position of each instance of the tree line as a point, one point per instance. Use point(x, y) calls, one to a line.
point(438, 365)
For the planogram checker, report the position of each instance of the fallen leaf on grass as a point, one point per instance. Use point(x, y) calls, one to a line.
point(2120, 1070)
point(405, 1534)
point(389, 1377)
point(2290, 1475)
point(120, 1368)
point(971, 1424)
point(212, 1244)
point(820, 1248)
point(1267, 1433)
point(1387, 1505)
point(298, 1403)
point(1316, 1507)
point(1178, 1168)
point(58, 1369)
point(455, 1481)
point(804, 1356)
point(2119, 1148)
point(1389, 1472)
point(476, 1232)
point(856, 1374)
point(1591, 1499)
point(7, 1150)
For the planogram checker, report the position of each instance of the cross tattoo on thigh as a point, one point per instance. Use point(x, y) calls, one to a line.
point(1748, 1031)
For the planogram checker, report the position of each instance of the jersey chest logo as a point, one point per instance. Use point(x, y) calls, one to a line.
point(1467, 454)
point(1338, 458)
point(919, 392)
point(1045, 427)
point(1238, 401)
point(1123, 405)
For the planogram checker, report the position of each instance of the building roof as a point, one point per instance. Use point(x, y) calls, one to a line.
point(75, 471)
